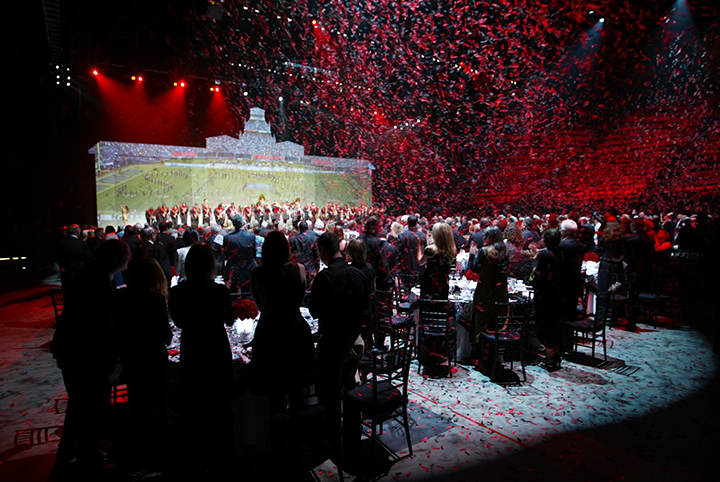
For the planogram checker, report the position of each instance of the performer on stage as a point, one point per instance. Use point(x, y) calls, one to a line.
point(125, 210)
point(220, 214)
point(150, 217)
point(184, 214)
point(195, 216)
point(231, 211)
point(163, 215)
point(207, 214)
point(175, 215)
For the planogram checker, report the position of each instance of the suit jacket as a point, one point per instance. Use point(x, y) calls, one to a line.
point(72, 255)
point(304, 250)
point(152, 250)
point(240, 254)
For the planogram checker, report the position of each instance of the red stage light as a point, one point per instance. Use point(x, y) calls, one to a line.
point(217, 89)
point(182, 84)
point(140, 79)
point(95, 72)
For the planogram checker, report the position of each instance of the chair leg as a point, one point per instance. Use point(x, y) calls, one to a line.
point(407, 430)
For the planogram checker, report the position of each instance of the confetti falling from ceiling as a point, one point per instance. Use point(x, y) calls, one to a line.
point(471, 104)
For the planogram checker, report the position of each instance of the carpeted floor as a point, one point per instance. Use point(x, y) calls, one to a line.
point(649, 413)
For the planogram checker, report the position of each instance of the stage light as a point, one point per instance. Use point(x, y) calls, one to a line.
point(133, 78)
point(182, 84)
point(245, 93)
point(280, 98)
point(140, 79)
point(95, 72)
point(68, 84)
point(174, 84)
point(602, 20)
point(217, 89)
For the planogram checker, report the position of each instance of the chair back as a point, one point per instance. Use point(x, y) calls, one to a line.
point(602, 309)
point(58, 300)
point(393, 366)
point(406, 282)
point(384, 304)
point(512, 319)
point(434, 312)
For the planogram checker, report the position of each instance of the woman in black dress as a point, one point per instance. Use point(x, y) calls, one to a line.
point(202, 308)
point(141, 344)
point(283, 343)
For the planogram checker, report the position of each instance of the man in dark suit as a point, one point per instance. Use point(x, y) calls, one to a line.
point(573, 254)
point(130, 237)
point(304, 249)
point(411, 242)
point(84, 347)
point(164, 239)
point(148, 248)
point(339, 299)
point(72, 255)
point(240, 254)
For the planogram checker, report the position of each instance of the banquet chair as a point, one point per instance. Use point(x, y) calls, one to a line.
point(403, 295)
point(593, 326)
point(436, 337)
point(305, 430)
point(509, 338)
point(384, 397)
point(387, 316)
point(658, 299)
point(396, 328)
point(58, 300)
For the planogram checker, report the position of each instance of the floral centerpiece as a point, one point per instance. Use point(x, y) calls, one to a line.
point(245, 309)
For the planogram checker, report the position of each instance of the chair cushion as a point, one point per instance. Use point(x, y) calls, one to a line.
point(586, 324)
point(389, 396)
point(509, 336)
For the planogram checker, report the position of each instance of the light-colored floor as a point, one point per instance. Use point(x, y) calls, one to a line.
point(649, 414)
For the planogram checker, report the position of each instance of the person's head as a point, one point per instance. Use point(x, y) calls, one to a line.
point(109, 229)
point(73, 230)
point(328, 246)
point(612, 231)
point(351, 225)
point(412, 221)
point(492, 235)
point(568, 228)
point(357, 251)
point(371, 226)
point(200, 263)
point(147, 233)
point(190, 237)
point(513, 234)
point(147, 276)
point(303, 226)
point(551, 238)
point(162, 226)
point(338, 231)
point(444, 241)
point(396, 229)
point(130, 231)
point(319, 224)
point(238, 221)
point(114, 256)
point(275, 249)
